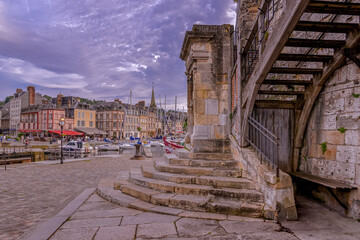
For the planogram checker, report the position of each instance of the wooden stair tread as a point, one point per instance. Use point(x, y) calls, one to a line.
point(333, 27)
point(313, 43)
point(270, 92)
point(333, 7)
point(275, 104)
point(286, 82)
point(286, 70)
point(304, 57)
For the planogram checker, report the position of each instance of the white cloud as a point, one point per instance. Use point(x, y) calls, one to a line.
point(131, 67)
point(29, 73)
point(156, 57)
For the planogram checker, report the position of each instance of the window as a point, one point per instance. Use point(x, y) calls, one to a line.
point(115, 125)
point(79, 114)
point(91, 115)
point(70, 127)
point(50, 126)
point(83, 115)
point(83, 123)
point(78, 123)
point(91, 124)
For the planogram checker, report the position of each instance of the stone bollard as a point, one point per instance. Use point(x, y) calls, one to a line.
point(138, 152)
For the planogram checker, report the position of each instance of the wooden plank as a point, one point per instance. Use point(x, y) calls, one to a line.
point(304, 57)
point(311, 43)
point(333, 7)
point(296, 70)
point(323, 181)
point(286, 82)
point(274, 104)
point(332, 27)
point(270, 92)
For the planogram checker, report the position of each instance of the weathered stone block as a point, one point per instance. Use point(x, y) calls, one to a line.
point(350, 154)
point(333, 137)
point(349, 121)
point(353, 72)
point(357, 180)
point(328, 122)
point(352, 137)
point(211, 106)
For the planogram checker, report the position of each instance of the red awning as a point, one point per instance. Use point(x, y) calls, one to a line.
point(22, 130)
point(66, 132)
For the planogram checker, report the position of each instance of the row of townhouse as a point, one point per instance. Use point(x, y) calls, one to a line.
point(34, 115)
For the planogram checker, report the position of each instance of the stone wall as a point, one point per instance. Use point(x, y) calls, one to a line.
point(278, 192)
point(332, 142)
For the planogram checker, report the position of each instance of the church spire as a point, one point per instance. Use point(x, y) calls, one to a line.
point(152, 104)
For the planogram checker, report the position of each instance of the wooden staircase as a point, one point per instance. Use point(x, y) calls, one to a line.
point(291, 74)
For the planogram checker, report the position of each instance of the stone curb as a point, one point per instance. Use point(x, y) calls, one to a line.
point(124, 200)
point(45, 230)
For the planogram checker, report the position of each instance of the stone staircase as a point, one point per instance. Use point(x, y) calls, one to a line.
point(203, 183)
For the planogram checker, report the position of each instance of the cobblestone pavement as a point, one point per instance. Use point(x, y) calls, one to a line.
point(30, 193)
point(99, 219)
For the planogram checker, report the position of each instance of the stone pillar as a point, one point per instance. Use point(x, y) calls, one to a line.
point(190, 117)
point(207, 52)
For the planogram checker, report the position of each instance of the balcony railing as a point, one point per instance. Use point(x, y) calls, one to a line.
point(257, 36)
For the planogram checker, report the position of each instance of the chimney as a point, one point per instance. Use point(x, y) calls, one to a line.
point(31, 91)
point(69, 103)
point(59, 100)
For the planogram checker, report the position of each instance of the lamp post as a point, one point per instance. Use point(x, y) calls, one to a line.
point(61, 123)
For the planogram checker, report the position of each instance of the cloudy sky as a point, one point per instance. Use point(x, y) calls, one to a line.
point(101, 49)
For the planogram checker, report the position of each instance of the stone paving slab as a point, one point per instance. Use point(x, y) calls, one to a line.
point(116, 233)
point(156, 230)
point(146, 217)
point(92, 222)
point(120, 211)
point(189, 227)
point(75, 233)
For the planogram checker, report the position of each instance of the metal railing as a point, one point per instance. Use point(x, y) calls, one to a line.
point(265, 143)
point(250, 53)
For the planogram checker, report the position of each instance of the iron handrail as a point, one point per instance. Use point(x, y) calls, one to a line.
point(264, 142)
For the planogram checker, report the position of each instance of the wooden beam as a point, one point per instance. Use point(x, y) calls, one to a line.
point(295, 70)
point(275, 104)
point(311, 43)
point(287, 82)
point(304, 57)
point(290, 93)
point(333, 27)
point(333, 7)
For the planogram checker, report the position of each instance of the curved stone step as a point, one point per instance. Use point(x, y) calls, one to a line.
point(166, 167)
point(229, 207)
point(204, 163)
point(227, 182)
point(183, 153)
point(191, 202)
point(193, 189)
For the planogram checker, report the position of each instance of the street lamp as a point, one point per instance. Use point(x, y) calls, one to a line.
point(61, 123)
